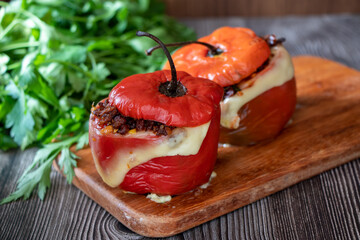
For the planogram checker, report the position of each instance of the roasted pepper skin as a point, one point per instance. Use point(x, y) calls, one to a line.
point(243, 53)
point(264, 117)
point(138, 97)
point(172, 175)
point(106, 145)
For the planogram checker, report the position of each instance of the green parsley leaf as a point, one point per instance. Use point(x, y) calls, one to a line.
point(67, 162)
point(71, 53)
point(28, 182)
point(83, 141)
point(19, 120)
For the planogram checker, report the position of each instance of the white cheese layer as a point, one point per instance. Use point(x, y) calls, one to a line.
point(182, 141)
point(212, 176)
point(158, 199)
point(279, 71)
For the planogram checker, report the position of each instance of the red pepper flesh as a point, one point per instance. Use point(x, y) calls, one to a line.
point(172, 175)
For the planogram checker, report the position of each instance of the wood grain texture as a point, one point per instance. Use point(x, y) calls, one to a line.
point(259, 8)
point(324, 133)
point(326, 206)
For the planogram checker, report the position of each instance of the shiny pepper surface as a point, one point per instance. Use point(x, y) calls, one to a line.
point(242, 53)
point(138, 97)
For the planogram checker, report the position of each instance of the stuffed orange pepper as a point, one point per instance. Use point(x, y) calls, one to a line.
point(257, 75)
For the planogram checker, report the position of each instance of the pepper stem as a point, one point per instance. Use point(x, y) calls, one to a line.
point(174, 88)
point(213, 51)
point(271, 40)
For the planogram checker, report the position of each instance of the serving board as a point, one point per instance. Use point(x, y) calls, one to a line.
point(324, 133)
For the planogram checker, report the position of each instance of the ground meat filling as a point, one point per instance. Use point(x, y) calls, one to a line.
point(233, 89)
point(271, 41)
point(108, 115)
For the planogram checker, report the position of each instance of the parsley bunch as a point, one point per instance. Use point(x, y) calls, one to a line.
point(57, 58)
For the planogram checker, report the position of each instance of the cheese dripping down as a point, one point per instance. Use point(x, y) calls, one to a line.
point(279, 71)
point(182, 141)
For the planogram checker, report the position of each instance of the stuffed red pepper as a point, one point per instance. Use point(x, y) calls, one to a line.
point(157, 132)
point(257, 76)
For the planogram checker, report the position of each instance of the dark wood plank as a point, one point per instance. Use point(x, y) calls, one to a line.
point(77, 217)
point(332, 197)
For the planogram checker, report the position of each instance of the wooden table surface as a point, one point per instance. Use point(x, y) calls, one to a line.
point(324, 207)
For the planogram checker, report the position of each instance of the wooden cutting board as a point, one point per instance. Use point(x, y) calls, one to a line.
point(325, 133)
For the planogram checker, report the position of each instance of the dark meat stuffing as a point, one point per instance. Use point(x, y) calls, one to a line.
point(231, 90)
point(108, 115)
point(272, 41)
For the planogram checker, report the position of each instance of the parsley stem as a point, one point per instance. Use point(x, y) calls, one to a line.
point(9, 28)
point(14, 65)
point(92, 60)
point(19, 45)
point(88, 84)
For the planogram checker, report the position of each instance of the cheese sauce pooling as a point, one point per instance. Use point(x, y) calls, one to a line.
point(279, 71)
point(182, 141)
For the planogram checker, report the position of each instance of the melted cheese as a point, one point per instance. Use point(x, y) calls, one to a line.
point(279, 71)
point(158, 199)
point(182, 141)
point(212, 176)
